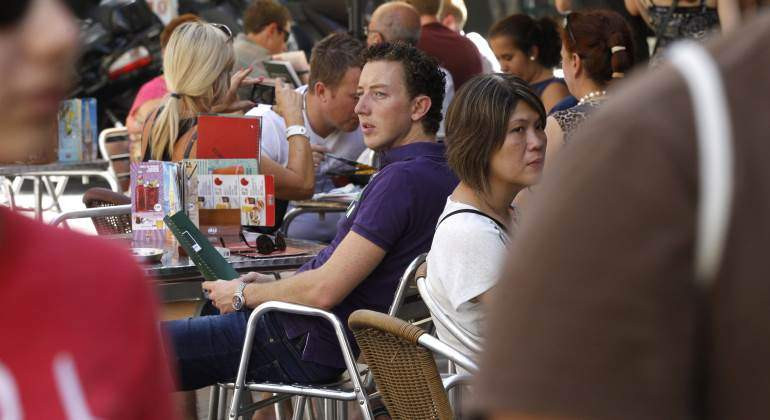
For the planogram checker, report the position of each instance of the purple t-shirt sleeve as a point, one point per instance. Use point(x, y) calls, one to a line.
point(382, 215)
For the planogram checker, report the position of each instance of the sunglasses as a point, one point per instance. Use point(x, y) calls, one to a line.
point(13, 11)
point(568, 28)
point(285, 34)
point(265, 244)
point(225, 29)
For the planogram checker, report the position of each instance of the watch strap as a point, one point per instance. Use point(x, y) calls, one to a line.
point(296, 130)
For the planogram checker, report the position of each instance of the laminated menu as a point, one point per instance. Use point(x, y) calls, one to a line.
point(77, 130)
point(228, 192)
point(154, 194)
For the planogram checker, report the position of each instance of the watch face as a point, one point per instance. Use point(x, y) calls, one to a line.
point(237, 302)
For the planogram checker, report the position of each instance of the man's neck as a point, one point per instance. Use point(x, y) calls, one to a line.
point(426, 19)
point(258, 39)
point(315, 116)
point(416, 134)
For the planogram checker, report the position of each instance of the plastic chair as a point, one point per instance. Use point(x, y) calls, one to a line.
point(112, 224)
point(400, 356)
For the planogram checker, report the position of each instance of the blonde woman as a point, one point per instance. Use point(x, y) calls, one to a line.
point(197, 64)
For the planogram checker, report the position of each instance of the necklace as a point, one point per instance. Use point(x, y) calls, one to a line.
point(597, 94)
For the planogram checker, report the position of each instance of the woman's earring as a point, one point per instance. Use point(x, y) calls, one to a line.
point(532, 57)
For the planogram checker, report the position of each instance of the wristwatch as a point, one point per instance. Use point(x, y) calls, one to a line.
point(296, 130)
point(238, 300)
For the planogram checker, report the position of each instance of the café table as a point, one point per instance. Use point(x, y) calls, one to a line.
point(178, 280)
point(42, 174)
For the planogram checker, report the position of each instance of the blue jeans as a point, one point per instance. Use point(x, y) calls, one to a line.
point(208, 349)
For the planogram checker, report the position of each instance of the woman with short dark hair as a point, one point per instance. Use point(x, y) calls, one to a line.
point(496, 146)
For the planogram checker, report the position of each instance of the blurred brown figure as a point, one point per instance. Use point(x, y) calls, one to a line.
point(599, 314)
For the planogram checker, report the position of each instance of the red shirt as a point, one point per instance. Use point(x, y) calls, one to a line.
point(454, 52)
point(79, 335)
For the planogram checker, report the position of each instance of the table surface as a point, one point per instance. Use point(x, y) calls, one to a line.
point(53, 168)
point(178, 278)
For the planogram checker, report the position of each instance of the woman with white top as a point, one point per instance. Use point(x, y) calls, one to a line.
point(496, 146)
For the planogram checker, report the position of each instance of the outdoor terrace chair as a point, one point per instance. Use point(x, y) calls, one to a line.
point(351, 386)
point(401, 358)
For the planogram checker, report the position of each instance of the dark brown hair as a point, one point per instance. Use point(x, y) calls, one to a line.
point(426, 7)
point(332, 57)
point(477, 123)
point(261, 13)
point(526, 32)
point(165, 35)
point(592, 35)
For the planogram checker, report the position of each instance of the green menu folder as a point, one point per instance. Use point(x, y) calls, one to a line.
point(210, 262)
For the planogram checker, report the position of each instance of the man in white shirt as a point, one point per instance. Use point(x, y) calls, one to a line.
point(330, 121)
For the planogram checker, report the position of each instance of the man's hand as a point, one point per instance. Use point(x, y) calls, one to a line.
point(230, 102)
point(288, 104)
point(319, 154)
point(221, 293)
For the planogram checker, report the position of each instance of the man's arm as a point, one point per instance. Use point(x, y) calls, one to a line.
point(353, 260)
point(296, 181)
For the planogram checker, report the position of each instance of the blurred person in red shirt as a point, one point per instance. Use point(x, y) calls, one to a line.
point(77, 343)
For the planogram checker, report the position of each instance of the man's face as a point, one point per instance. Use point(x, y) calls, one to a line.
point(340, 103)
point(384, 105)
point(37, 55)
point(278, 37)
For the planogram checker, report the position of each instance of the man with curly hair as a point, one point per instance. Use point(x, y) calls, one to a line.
point(400, 93)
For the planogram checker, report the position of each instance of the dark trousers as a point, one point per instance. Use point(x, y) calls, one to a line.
point(207, 350)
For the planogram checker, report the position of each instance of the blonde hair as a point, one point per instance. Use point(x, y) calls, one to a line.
point(197, 64)
point(455, 8)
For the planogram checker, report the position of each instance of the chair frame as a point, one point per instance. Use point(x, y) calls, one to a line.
point(218, 397)
point(93, 212)
point(439, 316)
point(357, 394)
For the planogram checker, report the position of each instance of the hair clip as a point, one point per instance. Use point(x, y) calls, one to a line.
point(176, 95)
point(618, 75)
point(617, 48)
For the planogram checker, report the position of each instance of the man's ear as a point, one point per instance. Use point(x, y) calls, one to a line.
point(320, 91)
point(420, 106)
point(449, 21)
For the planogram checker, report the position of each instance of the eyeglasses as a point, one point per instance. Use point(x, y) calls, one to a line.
point(13, 11)
point(224, 29)
point(265, 244)
point(368, 31)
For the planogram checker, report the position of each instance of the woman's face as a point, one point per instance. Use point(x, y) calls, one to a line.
point(37, 56)
point(512, 60)
point(520, 159)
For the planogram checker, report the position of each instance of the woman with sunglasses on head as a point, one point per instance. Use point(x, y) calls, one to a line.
point(597, 48)
point(529, 49)
point(496, 146)
point(197, 64)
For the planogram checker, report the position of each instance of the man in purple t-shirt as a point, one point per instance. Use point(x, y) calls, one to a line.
point(400, 93)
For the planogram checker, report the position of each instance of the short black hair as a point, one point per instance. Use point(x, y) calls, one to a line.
point(422, 76)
